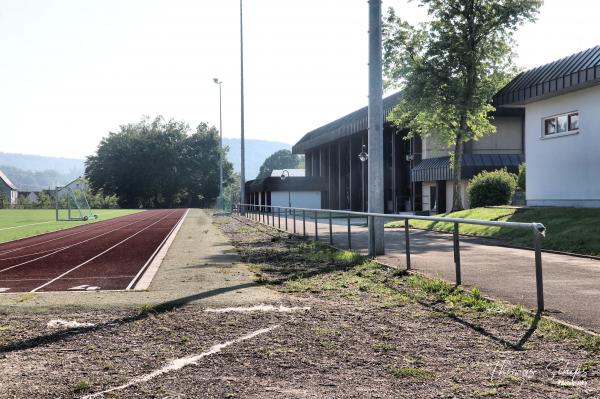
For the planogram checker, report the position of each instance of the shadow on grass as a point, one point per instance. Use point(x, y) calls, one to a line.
point(518, 346)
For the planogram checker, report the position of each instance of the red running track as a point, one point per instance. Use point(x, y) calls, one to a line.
point(106, 255)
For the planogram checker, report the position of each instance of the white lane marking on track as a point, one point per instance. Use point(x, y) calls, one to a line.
point(24, 225)
point(152, 264)
point(4, 289)
point(93, 226)
point(101, 253)
point(84, 287)
point(257, 308)
point(70, 246)
point(31, 254)
point(59, 323)
point(180, 363)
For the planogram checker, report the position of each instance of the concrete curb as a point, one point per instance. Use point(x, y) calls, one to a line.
point(146, 274)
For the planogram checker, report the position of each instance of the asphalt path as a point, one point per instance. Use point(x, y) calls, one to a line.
point(571, 283)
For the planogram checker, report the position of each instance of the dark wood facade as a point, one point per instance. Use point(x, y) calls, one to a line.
point(346, 176)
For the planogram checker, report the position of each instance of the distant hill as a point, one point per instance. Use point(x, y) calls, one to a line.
point(36, 172)
point(256, 153)
point(34, 163)
point(30, 180)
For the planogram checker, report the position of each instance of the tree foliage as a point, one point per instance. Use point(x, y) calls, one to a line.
point(282, 159)
point(492, 188)
point(450, 67)
point(155, 163)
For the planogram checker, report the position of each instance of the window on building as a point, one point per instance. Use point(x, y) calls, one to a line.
point(564, 123)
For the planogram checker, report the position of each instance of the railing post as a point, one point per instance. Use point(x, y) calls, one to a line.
point(330, 231)
point(457, 255)
point(279, 218)
point(303, 223)
point(349, 233)
point(407, 243)
point(539, 280)
point(294, 215)
point(371, 229)
point(286, 224)
point(272, 216)
point(316, 226)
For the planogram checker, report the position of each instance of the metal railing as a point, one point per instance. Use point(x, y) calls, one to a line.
point(267, 213)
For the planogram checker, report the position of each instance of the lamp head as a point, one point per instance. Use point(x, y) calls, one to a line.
point(363, 156)
point(283, 174)
point(216, 80)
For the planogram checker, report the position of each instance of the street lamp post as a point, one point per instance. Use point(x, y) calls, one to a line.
point(363, 156)
point(243, 155)
point(217, 81)
point(283, 177)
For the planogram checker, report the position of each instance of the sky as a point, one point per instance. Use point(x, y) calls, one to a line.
point(71, 71)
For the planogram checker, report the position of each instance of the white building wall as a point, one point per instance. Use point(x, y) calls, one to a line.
point(564, 170)
point(300, 199)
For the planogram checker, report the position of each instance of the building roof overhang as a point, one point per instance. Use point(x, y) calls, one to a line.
point(575, 72)
point(354, 122)
point(292, 183)
point(432, 169)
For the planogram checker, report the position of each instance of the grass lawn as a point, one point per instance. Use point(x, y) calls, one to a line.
point(573, 230)
point(19, 223)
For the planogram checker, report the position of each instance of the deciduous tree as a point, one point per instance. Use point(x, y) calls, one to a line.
point(450, 67)
point(155, 163)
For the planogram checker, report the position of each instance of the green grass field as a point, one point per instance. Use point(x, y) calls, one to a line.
point(20, 223)
point(573, 230)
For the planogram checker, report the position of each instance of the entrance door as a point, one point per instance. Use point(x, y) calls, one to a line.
point(441, 200)
point(433, 198)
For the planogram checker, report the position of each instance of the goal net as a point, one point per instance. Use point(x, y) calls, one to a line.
point(72, 203)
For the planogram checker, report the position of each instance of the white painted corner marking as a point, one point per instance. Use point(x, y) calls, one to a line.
point(4, 289)
point(180, 363)
point(59, 323)
point(258, 308)
point(84, 287)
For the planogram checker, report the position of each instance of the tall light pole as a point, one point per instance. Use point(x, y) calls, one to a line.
point(284, 175)
point(375, 131)
point(243, 160)
point(217, 81)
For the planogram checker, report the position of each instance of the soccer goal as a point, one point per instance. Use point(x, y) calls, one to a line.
point(72, 203)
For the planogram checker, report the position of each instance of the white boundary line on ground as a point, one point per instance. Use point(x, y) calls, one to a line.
point(150, 268)
point(25, 225)
point(100, 254)
point(180, 363)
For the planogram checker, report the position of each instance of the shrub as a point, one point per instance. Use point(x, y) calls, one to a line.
point(521, 177)
point(492, 188)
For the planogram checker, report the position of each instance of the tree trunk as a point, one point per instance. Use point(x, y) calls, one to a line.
point(457, 203)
